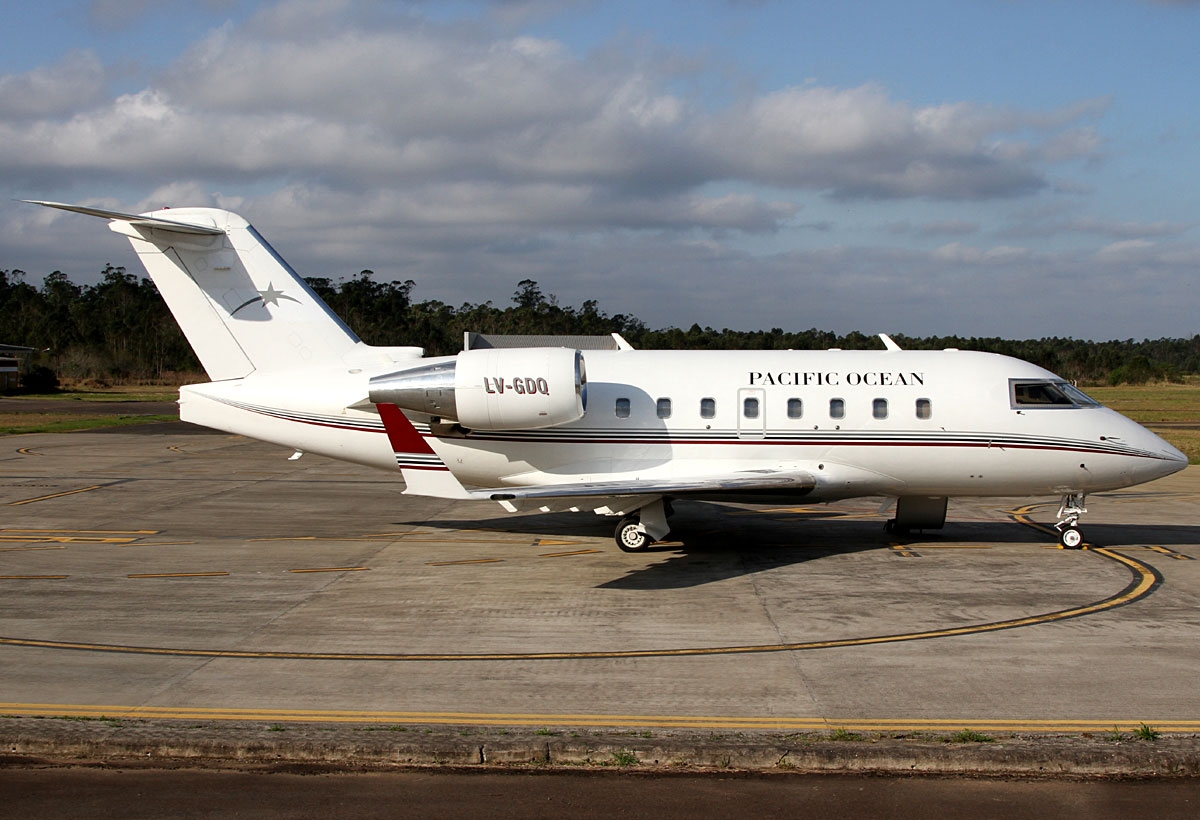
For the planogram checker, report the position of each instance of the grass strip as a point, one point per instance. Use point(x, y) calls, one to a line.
point(41, 424)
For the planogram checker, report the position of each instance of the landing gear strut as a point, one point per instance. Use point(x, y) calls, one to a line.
point(1069, 535)
point(639, 530)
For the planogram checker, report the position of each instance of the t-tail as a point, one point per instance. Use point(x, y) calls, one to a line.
point(230, 292)
point(284, 367)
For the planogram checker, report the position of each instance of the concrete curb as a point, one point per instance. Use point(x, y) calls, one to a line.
point(337, 747)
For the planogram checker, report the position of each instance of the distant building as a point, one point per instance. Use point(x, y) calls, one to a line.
point(10, 365)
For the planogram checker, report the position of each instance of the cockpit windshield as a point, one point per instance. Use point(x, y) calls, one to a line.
point(1077, 395)
point(1033, 393)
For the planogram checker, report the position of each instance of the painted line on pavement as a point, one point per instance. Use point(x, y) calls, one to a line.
point(747, 722)
point(53, 495)
point(177, 575)
point(332, 569)
point(1145, 579)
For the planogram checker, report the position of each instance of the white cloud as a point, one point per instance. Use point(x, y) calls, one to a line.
point(467, 157)
point(120, 13)
point(1126, 251)
point(76, 82)
point(308, 91)
point(860, 142)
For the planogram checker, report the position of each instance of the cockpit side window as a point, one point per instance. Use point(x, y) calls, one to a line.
point(1031, 393)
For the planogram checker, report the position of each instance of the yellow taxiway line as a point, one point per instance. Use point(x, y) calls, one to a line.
point(597, 721)
point(54, 495)
point(466, 562)
point(331, 569)
point(8, 538)
point(34, 577)
point(82, 532)
point(177, 575)
point(1145, 579)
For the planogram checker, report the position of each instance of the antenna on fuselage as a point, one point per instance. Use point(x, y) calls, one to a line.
point(888, 342)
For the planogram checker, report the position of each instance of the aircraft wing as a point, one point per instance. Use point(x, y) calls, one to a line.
point(744, 480)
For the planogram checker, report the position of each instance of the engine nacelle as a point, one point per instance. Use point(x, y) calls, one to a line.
point(519, 388)
point(493, 389)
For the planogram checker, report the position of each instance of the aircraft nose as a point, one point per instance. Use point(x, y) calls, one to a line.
point(1176, 456)
point(1170, 459)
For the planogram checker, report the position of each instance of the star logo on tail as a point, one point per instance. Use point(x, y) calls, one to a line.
point(270, 296)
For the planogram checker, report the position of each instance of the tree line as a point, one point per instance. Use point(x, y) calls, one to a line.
point(119, 330)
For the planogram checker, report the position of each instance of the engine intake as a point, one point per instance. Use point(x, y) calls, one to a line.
point(493, 389)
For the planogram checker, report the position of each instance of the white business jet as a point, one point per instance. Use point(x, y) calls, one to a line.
point(589, 423)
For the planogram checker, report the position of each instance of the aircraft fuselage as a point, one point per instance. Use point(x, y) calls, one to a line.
point(863, 422)
point(567, 424)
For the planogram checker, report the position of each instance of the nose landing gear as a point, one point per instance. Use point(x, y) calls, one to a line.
point(1069, 535)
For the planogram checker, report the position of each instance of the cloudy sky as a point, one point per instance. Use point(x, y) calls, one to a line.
point(975, 167)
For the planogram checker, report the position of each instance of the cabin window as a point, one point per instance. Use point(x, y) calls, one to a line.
point(879, 408)
point(622, 408)
point(795, 408)
point(750, 408)
point(708, 408)
point(837, 408)
point(924, 409)
point(663, 408)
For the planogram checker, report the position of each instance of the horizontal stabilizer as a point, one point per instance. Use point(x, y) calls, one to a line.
point(135, 219)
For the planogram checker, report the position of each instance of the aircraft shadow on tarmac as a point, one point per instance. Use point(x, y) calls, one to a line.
point(703, 562)
point(714, 542)
point(1140, 535)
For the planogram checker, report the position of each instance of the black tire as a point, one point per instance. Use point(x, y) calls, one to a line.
point(629, 538)
point(1070, 538)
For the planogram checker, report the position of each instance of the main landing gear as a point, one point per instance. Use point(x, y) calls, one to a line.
point(638, 531)
point(630, 535)
point(1069, 535)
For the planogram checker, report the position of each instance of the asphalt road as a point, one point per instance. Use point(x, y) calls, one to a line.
point(91, 408)
point(101, 794)
point(168, 587)
point(166, 569)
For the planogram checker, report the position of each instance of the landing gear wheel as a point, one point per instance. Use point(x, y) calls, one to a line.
point(630, 536)
point(1070, 538)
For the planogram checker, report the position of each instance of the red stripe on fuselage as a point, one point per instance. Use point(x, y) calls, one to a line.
point(403, 436)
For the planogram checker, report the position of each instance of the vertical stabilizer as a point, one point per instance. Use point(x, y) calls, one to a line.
point(240, 305)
